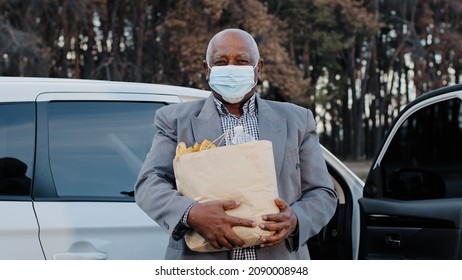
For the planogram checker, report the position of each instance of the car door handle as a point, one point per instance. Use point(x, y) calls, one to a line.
point(81, 250)
point(393, 240)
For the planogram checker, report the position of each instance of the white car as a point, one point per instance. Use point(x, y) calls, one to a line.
point(70, 152)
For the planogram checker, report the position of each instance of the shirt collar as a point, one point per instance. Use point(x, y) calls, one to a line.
point(249, 107)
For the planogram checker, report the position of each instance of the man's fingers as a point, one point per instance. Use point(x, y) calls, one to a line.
point(224, 242)
point(272, 226)
point(214, 244)
point(274, 218)
point(281, 204)
point(234, 241)
point(230, 204)
point(216, 226)
point(284, 214)
point(229, 240)
point(236, 221)
point(223, 238)
point(268, 241)
point(243, 222)
point(282, 223)
point(272, 238)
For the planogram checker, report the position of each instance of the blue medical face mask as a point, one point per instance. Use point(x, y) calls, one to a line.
point(232, 82)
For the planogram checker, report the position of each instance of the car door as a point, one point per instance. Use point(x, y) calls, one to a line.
point(90, 147)
point(18, 226)
point(412, 200)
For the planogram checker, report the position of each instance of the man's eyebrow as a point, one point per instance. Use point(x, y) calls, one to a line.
point(220, 55)
point(226, 56)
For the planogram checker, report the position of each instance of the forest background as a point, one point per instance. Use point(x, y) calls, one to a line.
point(355, 63)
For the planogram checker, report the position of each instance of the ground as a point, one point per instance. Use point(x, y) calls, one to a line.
point(360, 168)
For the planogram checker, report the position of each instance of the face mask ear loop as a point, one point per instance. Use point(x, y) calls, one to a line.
point(210, 70)
point(256, 82)
point(256, 64)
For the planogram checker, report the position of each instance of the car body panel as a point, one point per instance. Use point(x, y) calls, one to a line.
point(98, 230)
point(353, 189)
point(19, 231)
point(105, 96)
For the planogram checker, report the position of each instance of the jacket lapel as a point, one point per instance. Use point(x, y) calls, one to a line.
point(273, 128)
point(207, 125)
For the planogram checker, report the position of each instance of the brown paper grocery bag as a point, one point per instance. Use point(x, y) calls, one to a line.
point(243, 172)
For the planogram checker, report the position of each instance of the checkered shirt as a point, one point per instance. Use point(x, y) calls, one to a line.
point(249, 120)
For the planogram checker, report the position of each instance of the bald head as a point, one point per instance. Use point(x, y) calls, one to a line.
point(221, 43)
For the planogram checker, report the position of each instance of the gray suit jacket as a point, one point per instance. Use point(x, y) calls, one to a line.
point(303, 180)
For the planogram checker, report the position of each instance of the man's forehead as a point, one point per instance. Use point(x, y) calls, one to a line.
point(226, 48)
point(230, 35)
point(230, 38)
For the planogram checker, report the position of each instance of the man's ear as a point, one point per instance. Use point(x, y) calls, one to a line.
point(206, 69)
point(260, 68)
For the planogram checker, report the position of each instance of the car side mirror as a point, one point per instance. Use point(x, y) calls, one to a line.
point(415, 184)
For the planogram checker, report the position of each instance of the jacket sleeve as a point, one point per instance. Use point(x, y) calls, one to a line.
point(155, 189)
point(318, 200)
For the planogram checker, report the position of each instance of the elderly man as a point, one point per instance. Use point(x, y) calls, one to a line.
point(307, 198)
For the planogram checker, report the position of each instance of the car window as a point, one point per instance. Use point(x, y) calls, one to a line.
point(424, 159)
point(17, 138)
point(97, 148)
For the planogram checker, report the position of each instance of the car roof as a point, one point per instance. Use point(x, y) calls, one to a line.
point(28, 88)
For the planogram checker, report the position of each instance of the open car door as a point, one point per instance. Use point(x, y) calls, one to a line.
point(412, 201)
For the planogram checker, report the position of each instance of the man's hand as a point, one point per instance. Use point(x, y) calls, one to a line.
point(283, 224)
point(210, 221)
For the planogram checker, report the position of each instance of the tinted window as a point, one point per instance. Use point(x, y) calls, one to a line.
point(424, 159)
point(17, 138)
point(97, 148)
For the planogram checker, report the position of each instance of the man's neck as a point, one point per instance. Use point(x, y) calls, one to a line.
point(235, 109)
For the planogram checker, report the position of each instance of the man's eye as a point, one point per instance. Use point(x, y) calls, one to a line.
point(220, 63)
